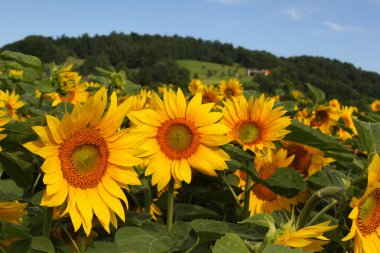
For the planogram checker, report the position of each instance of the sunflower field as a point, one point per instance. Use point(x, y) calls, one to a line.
point(99, 164)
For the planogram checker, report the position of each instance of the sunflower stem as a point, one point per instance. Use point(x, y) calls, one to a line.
point(71, 239)
point(247, 197)
point(232, 191)
point(322, 212)
point(169, 222)
point(48, 221)
point(147, 198)
point(331, 191)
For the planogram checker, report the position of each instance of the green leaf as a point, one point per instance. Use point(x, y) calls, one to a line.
point(43, 244)
point(237, 153)
point(45, 85)
point(281, 249)
point(369, 135)
point(9, 163)
point(312, 137)
point(230, 243)
point(212, 229)
point(137, 239)
point(287, 104)
point(21, 58)
point(103, 247)
point(189, 212)
point(324, 178)
point(9, 190)
point(317, 93)
point(261, 219)
point(286, 182)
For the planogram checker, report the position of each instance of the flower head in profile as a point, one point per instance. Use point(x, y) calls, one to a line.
point(210, 94)
point(365, 214)
point(16, 74)
point(346, 115)
point(12, 211)
point(179, 137)
point(195, 86)
point(307, 160)
point(74, 95)
point(309, 239)
point(255, 124)
point(230, 88)
point(87, 161)
point(375, 106)
point(67, 78)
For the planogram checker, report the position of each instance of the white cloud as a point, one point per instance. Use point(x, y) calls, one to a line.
point(339, 27)
point(293, 13)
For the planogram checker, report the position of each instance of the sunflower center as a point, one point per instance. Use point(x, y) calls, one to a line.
point(260, 190)
point(178, 138)
point(369, 213)
point(84, 158)
point(320, 117)
point(248, 132)
point(229, 92)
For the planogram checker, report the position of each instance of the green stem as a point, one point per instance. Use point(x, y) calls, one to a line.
point(71, 239)
point(48, 221)
point(147, 198)
point(322, 212)
point(247, 197)
point(169, 222)
point(232, 191)
point(35, 183)
point(41, 100)
point(332, 191)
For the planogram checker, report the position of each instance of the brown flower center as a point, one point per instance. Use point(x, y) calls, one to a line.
point(368, 220)
point(84, 158)
point(178, 138)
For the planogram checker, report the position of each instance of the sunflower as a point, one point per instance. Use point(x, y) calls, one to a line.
point(375, 106)
point(180, 136)
point(67, 79)
point(365, 214)
point(195, 86)
point(12, 212)
point(346, 115)
point(309, 238)
point(12, 103)
point(77, 94)
point(264, 200)
point(324, 117)
point(3, 121)
point(210, 94)
point(255, 124)
point(16, 74)
point(297, 94)
point(334, 103)
point(307, 160)
point(87, 161)
point(231, 88)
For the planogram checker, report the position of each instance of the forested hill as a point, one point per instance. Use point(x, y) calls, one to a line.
point(143, 53)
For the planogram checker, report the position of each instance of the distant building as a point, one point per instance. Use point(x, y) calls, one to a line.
point(255, 72)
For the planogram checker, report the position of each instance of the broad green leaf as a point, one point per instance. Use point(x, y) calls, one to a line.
point(22, 246)
point(103, 247)
point(369, 135)
point(21, 58)
point(318, 94)
point(9, 163)
point(180, 234)
point(313, 137)
point(45, 85)
point(137, 239)
point(287, 104)
point(212, 229)
point(286, 182)
point(189, 212)
point(261, 219)
point(137, 219)
point(281, 249)
point(230, 243)
point(9, 190)
point(43, 244)
point(237, 153)
point(324, 178)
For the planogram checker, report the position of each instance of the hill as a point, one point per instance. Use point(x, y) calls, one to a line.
point(154, 58)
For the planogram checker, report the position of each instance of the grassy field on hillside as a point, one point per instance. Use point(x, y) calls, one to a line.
point(212, 72)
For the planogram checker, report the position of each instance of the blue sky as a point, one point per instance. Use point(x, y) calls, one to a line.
point(347, 30)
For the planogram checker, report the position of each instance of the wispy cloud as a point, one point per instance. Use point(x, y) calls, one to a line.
point(341, 28)
point(293, 13)
point(226, 1)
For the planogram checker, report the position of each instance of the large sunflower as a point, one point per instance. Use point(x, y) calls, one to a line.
point(307, 160)
point(365, 214)
point(309, 238)
point(255, 124)
point(264, 200)
point(87, 161)
point(180, 136)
